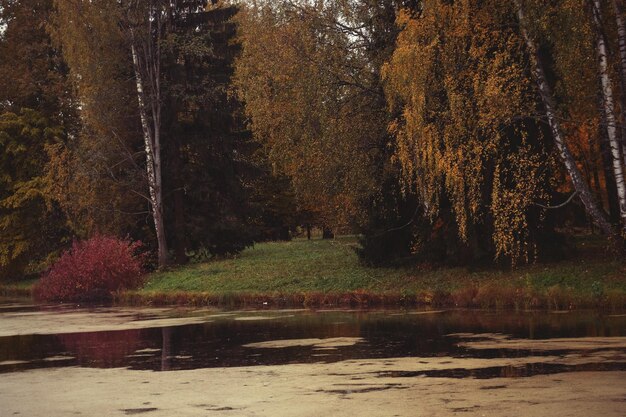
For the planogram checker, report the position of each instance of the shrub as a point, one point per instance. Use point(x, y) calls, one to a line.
point(93, 270)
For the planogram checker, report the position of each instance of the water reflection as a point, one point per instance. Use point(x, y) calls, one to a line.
point(101, 349)
point(385, 334)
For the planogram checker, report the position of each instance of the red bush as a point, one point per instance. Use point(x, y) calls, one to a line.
point(92, 270)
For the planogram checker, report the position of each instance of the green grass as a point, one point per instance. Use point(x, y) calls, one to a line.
point(331, 266)
point(327, 272)
point(299, 265)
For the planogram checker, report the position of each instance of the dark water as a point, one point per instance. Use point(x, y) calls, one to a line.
point(386, 334)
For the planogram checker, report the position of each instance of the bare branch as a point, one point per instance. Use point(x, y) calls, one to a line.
point(558, 205)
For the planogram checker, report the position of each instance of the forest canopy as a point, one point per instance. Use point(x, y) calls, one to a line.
point(454, 132)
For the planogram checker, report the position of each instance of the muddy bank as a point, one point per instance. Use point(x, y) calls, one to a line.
point(366, 387)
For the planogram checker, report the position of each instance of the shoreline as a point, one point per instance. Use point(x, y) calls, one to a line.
point(497, 298)
point(492, 297)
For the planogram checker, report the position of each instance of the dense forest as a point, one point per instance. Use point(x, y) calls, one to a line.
point(440, 131)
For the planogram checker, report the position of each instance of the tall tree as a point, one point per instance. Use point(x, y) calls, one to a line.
point(596, 213)
point(608, 108)
point(153, 78)
point(37, 113)
point(147, 24)
point(100, 176)
point(31, 225)
point(105, 52)
point(618, 9)
point(309, 76)
point(464, 139)
point(206, 149)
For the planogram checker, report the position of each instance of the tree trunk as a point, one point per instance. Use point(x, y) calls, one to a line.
point(153, 158)
point(545, 92)
point(607, 171)
point(179, 226)
point(308, 231)
point(595, 175)
point(621, 38)
point(608, 107)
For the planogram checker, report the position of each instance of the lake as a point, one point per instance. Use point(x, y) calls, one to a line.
point(66, 360)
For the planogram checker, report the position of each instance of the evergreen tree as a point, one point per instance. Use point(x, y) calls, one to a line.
point(37, 114)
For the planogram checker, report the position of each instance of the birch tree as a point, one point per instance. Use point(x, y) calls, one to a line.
point(99, 177)
point(113, 50)
point(145, 29)
point(547, 98)
point(618, 8)
point(608, 108)
point(464, 140)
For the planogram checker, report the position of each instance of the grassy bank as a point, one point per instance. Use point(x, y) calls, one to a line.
point(327, 273)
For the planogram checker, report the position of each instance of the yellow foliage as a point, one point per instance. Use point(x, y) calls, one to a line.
point(458, 80)
point(303, 89)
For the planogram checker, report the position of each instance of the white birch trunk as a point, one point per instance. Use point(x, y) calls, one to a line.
point(153, 156)
point(595, 212)
point(609, 112)
point(621, 38)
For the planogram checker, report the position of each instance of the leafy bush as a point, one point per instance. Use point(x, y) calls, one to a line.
point(93, 270)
